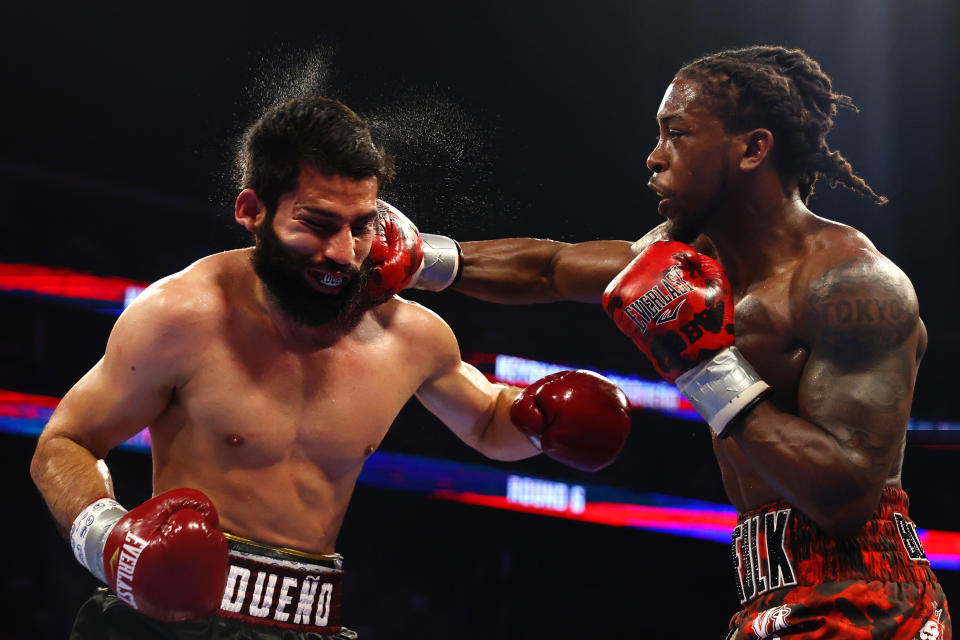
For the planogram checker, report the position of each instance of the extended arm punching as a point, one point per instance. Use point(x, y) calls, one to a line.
point(528, 270)
point(576, 417)
point(533, 270)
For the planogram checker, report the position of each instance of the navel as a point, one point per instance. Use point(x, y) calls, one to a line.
point(369, 450)
point(233, 439)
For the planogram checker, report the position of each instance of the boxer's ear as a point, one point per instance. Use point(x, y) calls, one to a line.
point(757, 147)
point(249, 210)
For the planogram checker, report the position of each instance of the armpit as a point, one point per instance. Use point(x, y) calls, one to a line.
point(859, 310)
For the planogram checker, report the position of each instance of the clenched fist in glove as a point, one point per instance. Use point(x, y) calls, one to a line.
point(676, 306)
point(576, 417)
point(165, 558)
point(395, 255)
point(402, 257)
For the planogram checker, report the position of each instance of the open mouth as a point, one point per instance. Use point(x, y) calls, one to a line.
point(661, 193)
point(663, 207)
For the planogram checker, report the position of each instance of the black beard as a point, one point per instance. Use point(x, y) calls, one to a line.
point(281, 270)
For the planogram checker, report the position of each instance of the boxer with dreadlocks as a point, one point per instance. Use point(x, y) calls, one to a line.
point(792, 335)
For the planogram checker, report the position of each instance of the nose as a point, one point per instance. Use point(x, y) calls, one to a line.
point(340, 246)
point(656, 161)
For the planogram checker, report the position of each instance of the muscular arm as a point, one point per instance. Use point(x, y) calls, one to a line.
point(475, 409)
point(121, 394)
point(834, 458)
point(530, 270)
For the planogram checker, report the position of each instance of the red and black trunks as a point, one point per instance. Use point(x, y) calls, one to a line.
point(796, 582)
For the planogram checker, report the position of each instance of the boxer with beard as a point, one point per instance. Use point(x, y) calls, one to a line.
point(282, 271)
point(267, 377)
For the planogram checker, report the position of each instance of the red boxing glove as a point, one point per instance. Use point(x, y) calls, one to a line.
point(395, 255)
point(165, 558)
point(576, 417)
point(675, 304)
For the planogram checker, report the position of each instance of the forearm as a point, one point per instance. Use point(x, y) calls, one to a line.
point(532, 270)
point(69, 477)
point(527, 270)
point(509, 271)
point(497, 437)
point(807, 466)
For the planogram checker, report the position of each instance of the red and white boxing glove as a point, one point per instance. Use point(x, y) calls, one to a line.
point(165, 558)
point(676, 306)
point(576, 417)
point(402, 257)
point(395, 255)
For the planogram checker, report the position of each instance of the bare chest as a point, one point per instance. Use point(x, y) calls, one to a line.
point(255, 403)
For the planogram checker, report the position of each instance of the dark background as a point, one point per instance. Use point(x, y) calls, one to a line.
point(508, 118)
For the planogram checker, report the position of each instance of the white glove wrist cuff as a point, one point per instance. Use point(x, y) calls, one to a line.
point(721, 388)
point(88, 534)
point(442, 263)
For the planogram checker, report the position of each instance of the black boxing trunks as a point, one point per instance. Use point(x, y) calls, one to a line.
point(797, 582)
point(272, 593)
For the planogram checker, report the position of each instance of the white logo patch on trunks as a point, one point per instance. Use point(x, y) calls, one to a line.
point(770, 621)
point(756, 574)
point(933, 629)
point(909, 537)
point(313, 598)
point(289, 594)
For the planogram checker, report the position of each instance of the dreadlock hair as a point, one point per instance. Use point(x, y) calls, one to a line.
point(785, 91)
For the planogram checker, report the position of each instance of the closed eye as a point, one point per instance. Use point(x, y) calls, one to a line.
point(318, 226)
point(364, 226)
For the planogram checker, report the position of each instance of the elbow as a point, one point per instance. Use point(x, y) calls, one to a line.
point(46, 456)
point(38, 463)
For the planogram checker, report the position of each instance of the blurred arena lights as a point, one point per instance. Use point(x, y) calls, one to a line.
point(106, 294)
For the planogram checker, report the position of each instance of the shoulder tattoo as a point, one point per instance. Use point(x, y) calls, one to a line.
point(860, 310)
